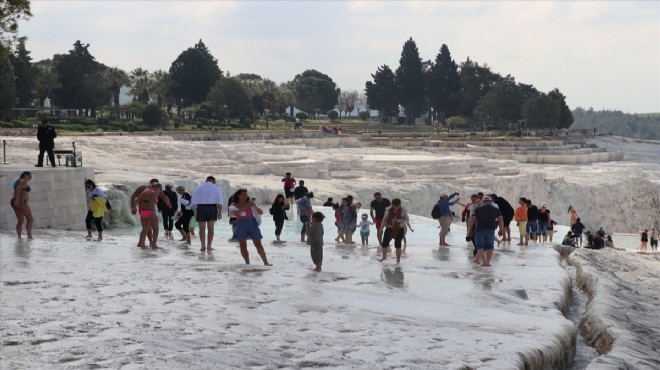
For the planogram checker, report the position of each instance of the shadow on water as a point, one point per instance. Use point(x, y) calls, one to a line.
point(584, 352)
point(393, 277)
point(23, 251)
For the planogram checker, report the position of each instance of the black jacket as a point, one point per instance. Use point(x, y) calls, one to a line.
point(46, 136)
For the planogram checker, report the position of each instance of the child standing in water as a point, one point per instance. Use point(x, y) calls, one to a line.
point(315, 239)
point(364, 229)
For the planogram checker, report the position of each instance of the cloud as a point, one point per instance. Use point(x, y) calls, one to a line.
point(598, 53)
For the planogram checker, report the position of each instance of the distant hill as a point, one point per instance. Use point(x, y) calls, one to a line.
point(637, 126)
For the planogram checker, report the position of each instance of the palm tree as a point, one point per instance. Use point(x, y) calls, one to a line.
point(140, 85)
point(117, 78)
point(160, 85)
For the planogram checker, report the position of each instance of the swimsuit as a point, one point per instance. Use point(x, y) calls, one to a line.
point(146, 213)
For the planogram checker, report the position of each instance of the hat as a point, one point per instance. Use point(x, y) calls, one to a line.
point(543, 205)
point(168, 186)
point(180, 187)
point(487, 197)
point(442, 195)
point(364, 215)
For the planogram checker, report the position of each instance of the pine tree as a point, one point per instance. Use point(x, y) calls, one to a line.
point(445, 84)
point(383, 92)
point(409, 77)
point(25, 76)
point(8, 90)
point(193, 73)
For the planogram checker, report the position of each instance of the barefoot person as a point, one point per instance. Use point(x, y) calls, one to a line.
point(135, 208)
point(98, 206)
point(377, 212)
point(147, 200)
point(19, 203)
point(278, 211)
point(315, 240)
point(208, 199)
point(247, 226)
point(185, 214)
point(485, 220)
point(395, 219)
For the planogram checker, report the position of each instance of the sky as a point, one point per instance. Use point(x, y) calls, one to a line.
point(600, 54)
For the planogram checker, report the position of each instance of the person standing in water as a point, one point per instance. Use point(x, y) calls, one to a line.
point(19, 203)
point(289, 186)
point(98, 206)
point(278, 211)
point(395, 218)
point(147, 200)
point(185, 214)
point(315, 240)
point(208, 199)
point(247, 226)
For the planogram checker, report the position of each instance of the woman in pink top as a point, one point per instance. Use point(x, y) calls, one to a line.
point(246, 225)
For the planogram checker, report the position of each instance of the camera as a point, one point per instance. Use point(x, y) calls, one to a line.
point(467, 238)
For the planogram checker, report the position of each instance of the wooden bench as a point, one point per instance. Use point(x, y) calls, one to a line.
point(71, 156)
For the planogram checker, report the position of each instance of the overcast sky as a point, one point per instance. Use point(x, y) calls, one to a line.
point(599, 54)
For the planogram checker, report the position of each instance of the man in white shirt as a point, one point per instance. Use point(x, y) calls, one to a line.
point(208, 200)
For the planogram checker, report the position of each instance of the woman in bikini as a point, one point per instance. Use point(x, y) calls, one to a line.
point(147, 203)
point(19, 203)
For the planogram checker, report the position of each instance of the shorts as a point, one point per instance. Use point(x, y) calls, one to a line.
point(532, 226)
point(542, 228)
point(444, 225)
point(364, 234)
point(247, 228)
point(206, 213)
point(484, 239)
point(522, 228)
point(654, 242)
point(378, 222)
point(288, 193)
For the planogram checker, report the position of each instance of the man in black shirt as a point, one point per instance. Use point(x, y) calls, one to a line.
point(532, 219)
point(46, 135)
point(485, 219)
point(300, 190)
point(577, 230)
point(378, 207)
point(507, 214)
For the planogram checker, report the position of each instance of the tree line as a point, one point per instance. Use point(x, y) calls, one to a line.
point(637, 126)
point(439, 90)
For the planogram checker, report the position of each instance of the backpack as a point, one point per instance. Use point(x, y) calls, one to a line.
point(435, 212)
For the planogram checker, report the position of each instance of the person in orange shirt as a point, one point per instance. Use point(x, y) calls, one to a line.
point(520, 216)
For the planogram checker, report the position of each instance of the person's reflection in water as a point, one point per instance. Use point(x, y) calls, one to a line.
point(393, 277)
point(23, 252)
point(443, 254)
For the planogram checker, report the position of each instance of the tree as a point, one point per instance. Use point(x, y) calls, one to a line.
point(383, 92)
point(444, 85)
point(24, 72)
point(476, 81)
point(502, 104)
point(541, 111)
point(116, 78)
point(315, 90)
point(161, 87)
point(361, 102)
point(347, 101)
point(565, 119)
point(287, 97)
point(193, 73)
point(72, 70)
point(45, 80)
point(8, 90)
point(409, 77)
point(152, 115)
point(229, 95)
point(140, 85)
point(11, 13)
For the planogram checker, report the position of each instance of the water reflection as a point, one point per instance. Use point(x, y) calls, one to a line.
point(23, 252)
point(393, 277)
point(443, 254)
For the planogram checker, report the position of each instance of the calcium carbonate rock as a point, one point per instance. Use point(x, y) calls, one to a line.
point(395, 173)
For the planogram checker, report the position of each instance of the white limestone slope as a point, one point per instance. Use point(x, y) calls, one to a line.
point(621, 319)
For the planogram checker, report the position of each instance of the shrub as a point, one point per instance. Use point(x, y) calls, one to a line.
point(177, 122)
point(456, 120)
point(6, 125)
point(41, 115)
point(103, 120)
point(333, 115)
point(302, 116)
point(364, 115)
point(288, 118)
point(152, 115)
point(130, 127)
point(385, 119)
point(201, 113)
point(401, 120)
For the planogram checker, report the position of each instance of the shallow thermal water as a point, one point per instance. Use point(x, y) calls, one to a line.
point(68, 302)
